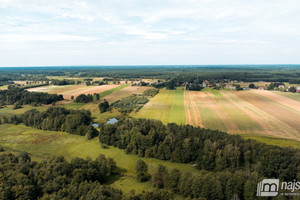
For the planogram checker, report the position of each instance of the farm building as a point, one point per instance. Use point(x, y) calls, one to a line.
point(230, 87)
point(281, 86)
point(261, 88)
point(298, 89)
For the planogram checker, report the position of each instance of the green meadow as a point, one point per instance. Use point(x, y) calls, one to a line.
point(9, 111)
point(177, 110)
point(167, 106)
point(42, 144)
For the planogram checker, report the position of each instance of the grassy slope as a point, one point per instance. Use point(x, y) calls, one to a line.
point(42, 144)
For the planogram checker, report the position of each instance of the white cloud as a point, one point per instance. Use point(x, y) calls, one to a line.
point(174, 26)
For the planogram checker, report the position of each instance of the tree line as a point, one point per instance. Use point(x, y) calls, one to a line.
point(77, 122)
point(15, 95)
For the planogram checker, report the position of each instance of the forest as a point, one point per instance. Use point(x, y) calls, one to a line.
point(247, 73)
point(56, 179)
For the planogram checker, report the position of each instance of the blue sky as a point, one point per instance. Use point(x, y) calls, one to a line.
point(149, 32)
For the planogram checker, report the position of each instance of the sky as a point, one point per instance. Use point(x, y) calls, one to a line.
point(149, 32)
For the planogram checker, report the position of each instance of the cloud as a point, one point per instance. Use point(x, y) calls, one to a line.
point(175, 26)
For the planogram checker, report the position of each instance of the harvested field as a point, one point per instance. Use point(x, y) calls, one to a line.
point(285, 101)
point(73, 90)
point(243, 112)
point(294, 96)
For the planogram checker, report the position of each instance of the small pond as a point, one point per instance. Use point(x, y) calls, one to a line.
point(95, 125)
point(112, 121)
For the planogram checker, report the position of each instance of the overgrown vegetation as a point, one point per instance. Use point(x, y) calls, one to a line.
point(134, 102)
point(130, 103)
point(150, 92)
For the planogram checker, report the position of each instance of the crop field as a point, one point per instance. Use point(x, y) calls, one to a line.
point(73, 90)
point(167, 106)
point(123, 92)
point(257, 112)
point(41, 144)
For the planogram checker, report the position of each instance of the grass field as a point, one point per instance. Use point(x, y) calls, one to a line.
point(167, 106)
point(41, 144)
point(9, 111)
point(177, 110)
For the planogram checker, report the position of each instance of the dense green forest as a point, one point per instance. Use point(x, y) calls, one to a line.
point(78, 122)
point(208, 149)
point(15, 95)
point(249, 73)
point(56, 179)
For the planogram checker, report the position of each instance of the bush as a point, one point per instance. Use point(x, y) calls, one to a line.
point(104, 106)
